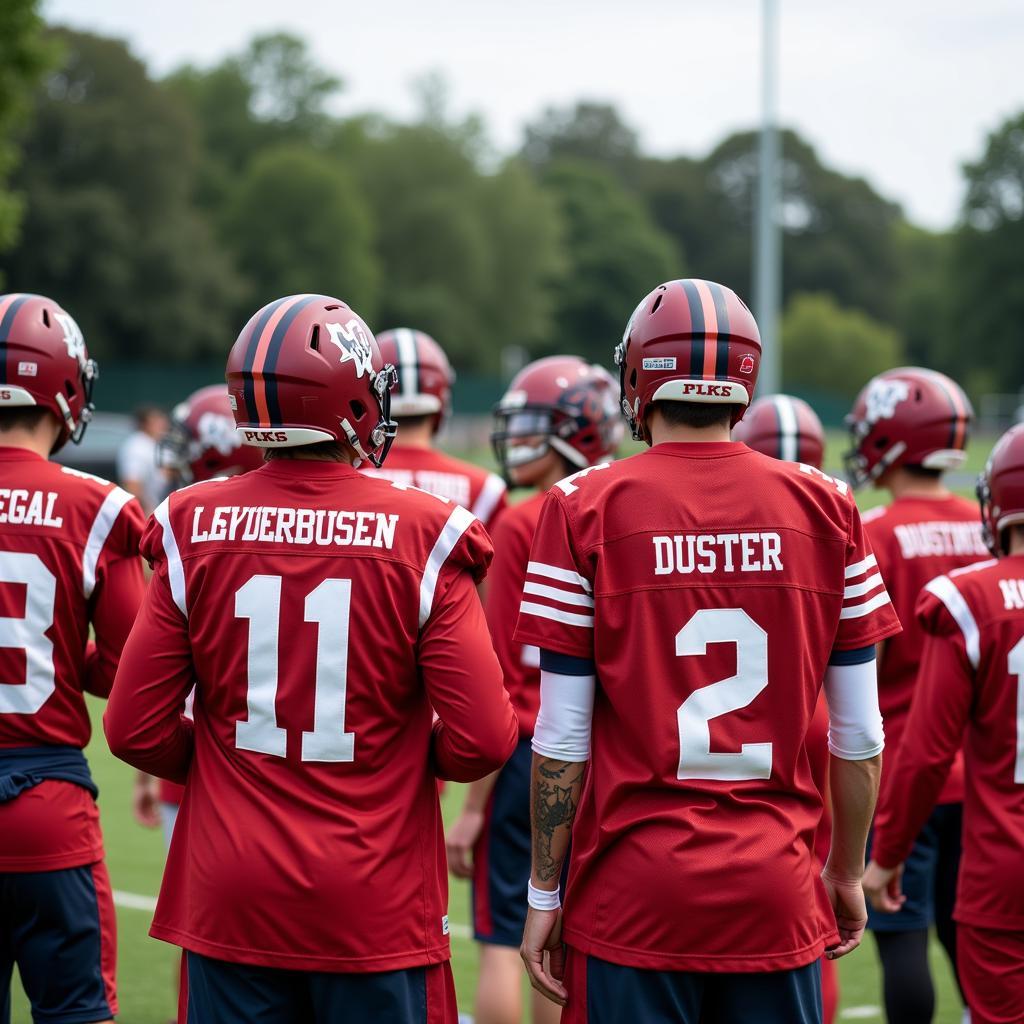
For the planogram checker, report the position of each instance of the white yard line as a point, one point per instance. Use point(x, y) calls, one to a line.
point(862, 1013)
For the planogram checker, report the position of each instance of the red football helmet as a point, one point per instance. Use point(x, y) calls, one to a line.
point(785, 428)
point(1001, 489)
point(44, 362)
point(202, 442)
point(907, 417)
point(425, 376)
point(688, 341)
point(561, 402)
point(306, 369)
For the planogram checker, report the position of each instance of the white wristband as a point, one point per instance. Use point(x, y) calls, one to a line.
point(542, 899)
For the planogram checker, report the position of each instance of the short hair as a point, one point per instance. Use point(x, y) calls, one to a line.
point(327, 451)
point(698, 415)
point(146, 412)
point(412, 422)
point(24, 417)
point(924, 472)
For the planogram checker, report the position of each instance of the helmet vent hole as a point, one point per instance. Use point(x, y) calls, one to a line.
point(46, 318)
point(358, 409)
point(657, 303)
point(882, 443)
point(69, 388)
point(314, 340)
point(632, 376)
point(335, 306)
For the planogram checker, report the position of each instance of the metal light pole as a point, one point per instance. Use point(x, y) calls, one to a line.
point(767, 234)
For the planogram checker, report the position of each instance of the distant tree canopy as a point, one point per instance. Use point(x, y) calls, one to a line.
point(24, 56)
point(163, 213)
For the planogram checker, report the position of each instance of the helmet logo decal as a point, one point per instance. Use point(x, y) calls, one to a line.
point(747, 364)
point(353, 344)
point(72, 338)
point(217, 431)
point(883, 396)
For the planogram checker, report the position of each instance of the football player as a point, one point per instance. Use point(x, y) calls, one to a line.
point(559, 415)
point(69, 563)
point(200, 444)
point(321, 613)
point(687, 603)
point(908, 427)
point(972, 677)
point(421, 404)
point(787, 428)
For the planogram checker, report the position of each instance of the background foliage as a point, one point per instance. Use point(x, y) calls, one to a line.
point(163, 212)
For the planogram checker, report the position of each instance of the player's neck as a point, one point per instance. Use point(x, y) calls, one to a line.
point(901, 484)
point(420, 435)
point(664, 433)
point(40, 440)
point(1017, 540)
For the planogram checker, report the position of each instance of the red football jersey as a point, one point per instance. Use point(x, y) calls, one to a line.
point(483, 493)
point(915, 540)
point(321, 615)
point(520, 663)
point(972, 675)
point(709, 584)
point(69, 546)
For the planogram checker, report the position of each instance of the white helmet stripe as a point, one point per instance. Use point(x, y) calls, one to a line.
point(789, 428)
point(407, 362)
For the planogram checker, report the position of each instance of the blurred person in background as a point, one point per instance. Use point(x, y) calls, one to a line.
point(421, 403)
point(972, 678)
point(909, 426)
point(558, 416)
point(321, 616)
point(787, 428)
point(69, 568)
point(137, 468)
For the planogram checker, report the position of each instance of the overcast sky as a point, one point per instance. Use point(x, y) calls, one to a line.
point(902, 92)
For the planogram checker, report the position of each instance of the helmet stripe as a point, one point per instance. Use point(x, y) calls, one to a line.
point(789, 428)
point(9, 306)
point(722, 316)
point(248, 381)
point(260, 356)
point(696, 329)
point(958, 429)
point(408, 369)
point(273, 351)
point(710, 329)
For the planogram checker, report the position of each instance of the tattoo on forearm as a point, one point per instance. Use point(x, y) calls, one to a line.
point(556, 794)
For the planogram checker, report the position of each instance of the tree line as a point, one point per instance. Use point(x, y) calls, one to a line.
point(164, 211)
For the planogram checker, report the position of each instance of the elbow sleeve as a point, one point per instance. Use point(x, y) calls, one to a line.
point(855, 723)
point(563, 723)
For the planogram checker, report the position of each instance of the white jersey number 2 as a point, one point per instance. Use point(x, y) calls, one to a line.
point(28, 633)
point(696, 758)
point(329, 606)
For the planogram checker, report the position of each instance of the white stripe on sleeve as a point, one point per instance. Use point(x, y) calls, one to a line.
point(557, 615)
point(101, 527)
point(488, 498)
point(789, 427)
point(553, 572)
point(563, 722)
point(859, 568)
point(458, 522)
point(856, 611)
point(556, 594)
point(175, 570)
point(860, 589)
point(945, 590)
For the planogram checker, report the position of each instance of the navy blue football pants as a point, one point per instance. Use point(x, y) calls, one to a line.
point(226, 993)
point(605, 993)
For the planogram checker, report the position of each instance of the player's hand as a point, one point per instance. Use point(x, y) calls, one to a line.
point(851, 912)
point(146, 800)
point(460, 840)
point(544, 955)
point(883, 887)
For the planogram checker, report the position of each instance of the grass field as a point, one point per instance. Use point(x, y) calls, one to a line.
point(147, 969)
